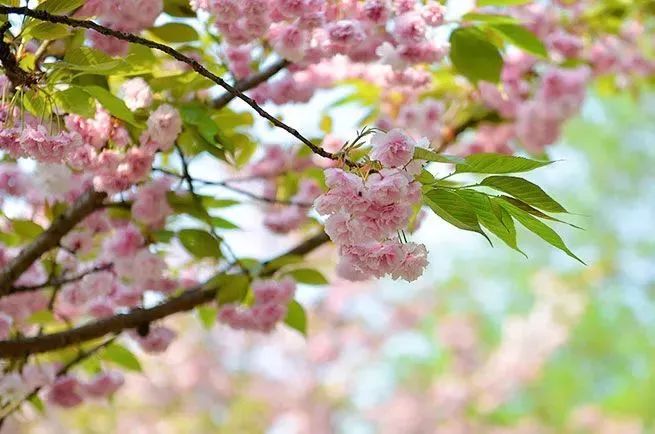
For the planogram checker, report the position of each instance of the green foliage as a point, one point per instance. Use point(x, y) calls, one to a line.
point(308, 276)
point(525, 191)
point(453, 209)
point(201, 244)
point(232, 288)
point(474, 56)
point(175, 32)
point(296, 317)
point(76, 100)
point(520, 37)
point(498, 164)
point(121, 356)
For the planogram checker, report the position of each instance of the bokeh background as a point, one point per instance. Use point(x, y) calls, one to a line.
point(487, 341)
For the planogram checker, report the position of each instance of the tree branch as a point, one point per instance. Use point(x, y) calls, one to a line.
point(188, 300)
point(129, 37)
point(87, 203)
point(250, 82)
point(17, 75)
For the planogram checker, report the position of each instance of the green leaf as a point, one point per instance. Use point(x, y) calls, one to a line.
point(197, 115)
point(487, 18)
point(60, 7)
point(114, 105)
point(532, 210)
point(47, 31)
point(37, 403)
point(482, 3)
point(231, 288)
point(162, 236)
point(426, 154)
point(453, 209)
point(41, 317)
point(220, 222)
point(521, 37)
point(35, 102)
point(493, 217)
point(121, 356)
point(207, 316)
point(76, 100)
point(175, 32)
point(88, 59)
point(524, 190)
point(474, 56)
point(539, 228)
point(498, 163)
point(201, 244)
point(296, 317)
point(307, 276)
point(426, 178)
point(26, 229)
point(178, 8)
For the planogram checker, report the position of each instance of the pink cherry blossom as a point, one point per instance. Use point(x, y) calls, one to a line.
point(392, 149)
point(157, 340)
point(164, 125)
point(136, 93)
point(104, 384)
point(66, 392)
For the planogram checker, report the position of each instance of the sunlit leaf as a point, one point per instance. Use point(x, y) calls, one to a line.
point(524, 190)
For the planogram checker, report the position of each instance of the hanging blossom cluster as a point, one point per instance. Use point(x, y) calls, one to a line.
point(99, 149)
point(366, 215)
point(269, 307)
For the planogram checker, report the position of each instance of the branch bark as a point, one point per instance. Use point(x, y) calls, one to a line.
point(188, 300)
point(129, 37)
point(87, 203)
point(251, 82)
point(17, 75)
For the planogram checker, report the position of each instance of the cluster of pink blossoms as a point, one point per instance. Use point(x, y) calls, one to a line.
point(131, 16)
point(67, 391)
point(269, 308)
point(366, 214)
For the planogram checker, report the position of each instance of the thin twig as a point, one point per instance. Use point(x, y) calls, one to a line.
point(62, 280)
point(251, 82)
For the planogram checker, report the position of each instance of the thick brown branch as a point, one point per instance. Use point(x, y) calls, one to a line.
point(86, 24)
point(50, 238)
point(136, 317)
point(251, 82)
point(17, 75)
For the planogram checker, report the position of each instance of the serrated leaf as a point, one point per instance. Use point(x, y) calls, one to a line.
point(498, 164)
point(307, 276)
point(201, 244)
point(453, 209)
point(296, 317)
point(474, 56)
point(524, 190)
point(121, 356)
point(539, 228)
point(532, 210)
point(207, 316)
point(428, 155)
point(175, 32)
point(114, 105)
point(76, 100)
point(521, 37)
point(492, 216)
